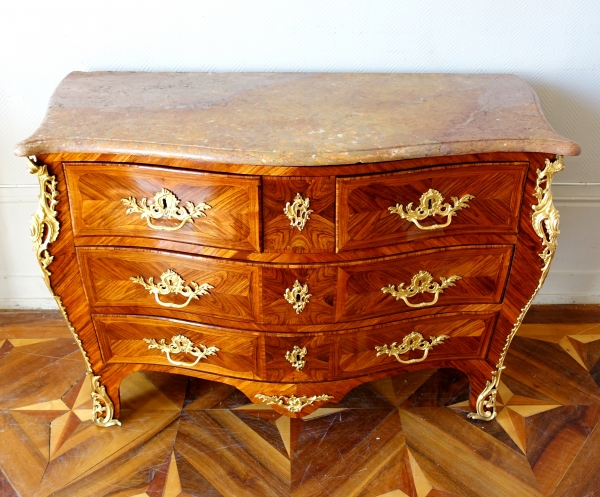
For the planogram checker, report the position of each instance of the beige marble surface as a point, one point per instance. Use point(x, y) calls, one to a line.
point(293, 118)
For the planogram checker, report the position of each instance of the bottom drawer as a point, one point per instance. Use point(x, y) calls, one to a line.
point(430, 339)
point(293, 358)
point(298, 358)
point(136, 339)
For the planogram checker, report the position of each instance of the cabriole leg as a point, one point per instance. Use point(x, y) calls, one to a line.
point(104, 411)
point(484, 381)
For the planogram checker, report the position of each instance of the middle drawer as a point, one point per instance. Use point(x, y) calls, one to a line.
point(121, 280)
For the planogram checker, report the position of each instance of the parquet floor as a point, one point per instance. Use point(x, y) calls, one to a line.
point(404, 436)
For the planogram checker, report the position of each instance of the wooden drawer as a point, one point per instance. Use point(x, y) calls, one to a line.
point(491, 198)
point(97, 192)
point(467, 338)
point(482, 273)
point(316, 220)
point(230, 293)
point(314, 349)
point(354, 291)
point(320, 282)
point(137, 339)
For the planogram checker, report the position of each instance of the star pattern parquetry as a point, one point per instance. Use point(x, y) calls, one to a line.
point(402, 436)
point(581, 342)
point(512, 411)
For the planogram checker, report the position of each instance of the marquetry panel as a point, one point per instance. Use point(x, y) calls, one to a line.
point(107, 274)
point(317, 359)
point(121, 341)
point(483, 272)
point(318, 233)
point(467, 334)
point(364, 219)
point(321, 281)
point(96, 192)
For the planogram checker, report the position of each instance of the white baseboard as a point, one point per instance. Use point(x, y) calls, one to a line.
point(566, 299)
point(580, 195)
point(25, 292)
point(18, 304)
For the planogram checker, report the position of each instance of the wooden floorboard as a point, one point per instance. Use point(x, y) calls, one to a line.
point(402, 436)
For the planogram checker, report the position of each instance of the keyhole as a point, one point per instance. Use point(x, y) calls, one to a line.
point(297, 357)
point(429, 204)
point(297, 297)
point(163, 203)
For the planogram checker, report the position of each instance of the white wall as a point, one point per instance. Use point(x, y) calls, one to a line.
point(554, 45)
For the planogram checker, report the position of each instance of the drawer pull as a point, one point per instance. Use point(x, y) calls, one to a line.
point(181, 344)
point(412, 341)
point(422, 282)
point(165, 205)
point(298, 212)
point(292, 403)
point(430, 204)
point(297, 296)
point(171, 282)
point(296, 357)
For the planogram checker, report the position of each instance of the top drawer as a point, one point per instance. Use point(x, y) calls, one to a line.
point(373, 211)
point(160, 202)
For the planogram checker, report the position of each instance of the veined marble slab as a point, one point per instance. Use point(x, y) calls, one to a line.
point(293, 118)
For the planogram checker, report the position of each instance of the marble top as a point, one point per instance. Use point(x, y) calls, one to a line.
point(293, 118)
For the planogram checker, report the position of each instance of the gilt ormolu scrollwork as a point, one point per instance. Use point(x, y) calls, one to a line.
point(296, 357)
point(103, 409)
point(298, 212)
point(293, 404)
point(165, 205)
point(44, 225)
point(297, 296)
point(88, 365)
point(180, 344)
point(44, 231)
point(422, 282)
point(430, 204)
point(412, 341)
point(171, 282)
point(545, 220)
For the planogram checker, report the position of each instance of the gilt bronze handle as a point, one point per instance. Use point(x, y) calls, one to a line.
point(412, 341)
point(422, 282)
point(165, 205)
point(180, 344)
point(430, 204)
point(171, 282)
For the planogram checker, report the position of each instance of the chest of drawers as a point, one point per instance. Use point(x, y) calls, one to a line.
point(294, 235)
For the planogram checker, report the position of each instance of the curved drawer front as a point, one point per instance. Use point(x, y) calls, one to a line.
point(455, 276)
point(298, 214)
point(298, 295)
point(299, 358)
point(136, 339)
point(125, 280)
point(326, 294)
point(136, 201)
point(374, 211)
point(426, 340)
point(116, 279)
